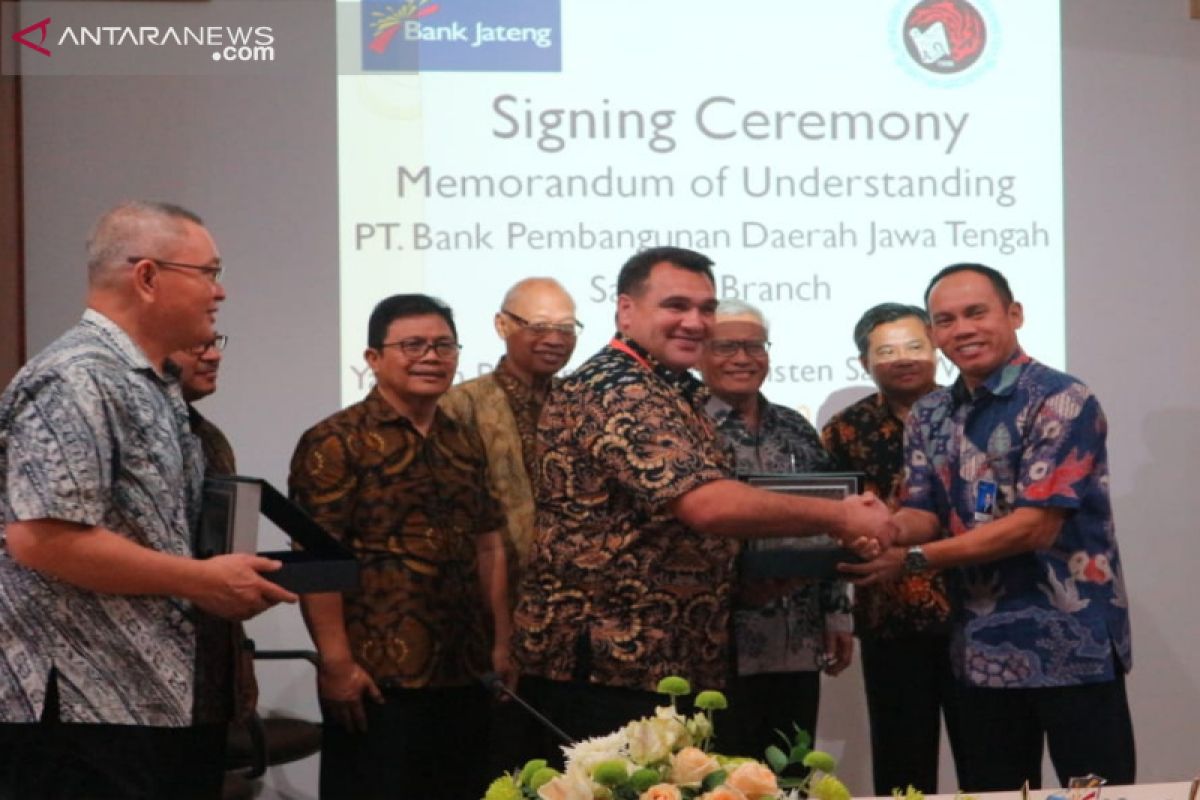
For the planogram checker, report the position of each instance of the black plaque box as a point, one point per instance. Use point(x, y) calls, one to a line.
point(813, 557)
point(229, 524)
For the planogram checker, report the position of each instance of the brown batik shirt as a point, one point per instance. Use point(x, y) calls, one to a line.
point(409, 507)
point(867, 437)
point(612, 571)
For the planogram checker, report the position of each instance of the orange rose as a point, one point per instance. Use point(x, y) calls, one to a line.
point(723, 792)
point(753, 780)
point(661, 791)
point(690, 766)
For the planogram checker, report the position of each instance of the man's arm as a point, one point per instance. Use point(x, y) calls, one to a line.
point(341, 681)
point(103, 561)
point(493, 580)
point(731, 508)
point(1024, 530)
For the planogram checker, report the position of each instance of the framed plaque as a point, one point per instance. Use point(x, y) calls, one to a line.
point(814, 557)
point(229, 524)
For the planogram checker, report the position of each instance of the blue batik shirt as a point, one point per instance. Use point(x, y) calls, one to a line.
point(1053, 617)
point(91, 433)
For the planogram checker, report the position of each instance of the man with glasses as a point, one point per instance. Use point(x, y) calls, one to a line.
point(786, 630)
point(631, 573)
point(537, 323)
point(904, 626)
point(101, 602)
point(405, 487)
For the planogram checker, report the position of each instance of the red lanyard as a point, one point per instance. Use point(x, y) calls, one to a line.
point(629, 351)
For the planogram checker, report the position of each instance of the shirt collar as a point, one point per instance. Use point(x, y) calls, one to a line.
point(382, 411)
point(125, 348)
point(1000, 383)
point(722, 411)
point(685, 382)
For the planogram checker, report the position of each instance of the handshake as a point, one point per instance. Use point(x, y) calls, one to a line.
point(867, 528)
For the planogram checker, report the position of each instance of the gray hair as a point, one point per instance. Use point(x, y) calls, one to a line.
point(133, 228)
point(740, 308)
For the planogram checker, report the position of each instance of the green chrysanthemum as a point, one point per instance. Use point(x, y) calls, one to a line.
point(821, 760)
point(911, 793)
point(503, 788)
point(544, 776)
point(610, 773)
point(674, 686)
point(828, 787)
point(644, 778)
point(531, 766)
point(711, 701)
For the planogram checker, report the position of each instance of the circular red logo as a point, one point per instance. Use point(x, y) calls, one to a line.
point(944, 36)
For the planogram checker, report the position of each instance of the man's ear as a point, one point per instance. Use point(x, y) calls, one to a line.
point(1016, 314)
point(500, 323)
point(144, 275)
point(624, 310)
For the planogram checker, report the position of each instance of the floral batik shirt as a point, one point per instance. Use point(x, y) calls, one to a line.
point(867, 437)
point(613, 573)
point(409, 506)
point(787, 633)
point(1029, 436)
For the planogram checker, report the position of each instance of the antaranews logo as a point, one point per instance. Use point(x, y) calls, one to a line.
point(20, 36)
point(227, 43)
point(461, 36)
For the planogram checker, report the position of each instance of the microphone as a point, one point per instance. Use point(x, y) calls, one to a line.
point(493, 681)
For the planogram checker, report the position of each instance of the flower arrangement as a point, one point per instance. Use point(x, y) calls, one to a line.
point(667, 757)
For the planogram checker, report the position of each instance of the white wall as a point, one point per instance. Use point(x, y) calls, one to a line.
point(256, 157)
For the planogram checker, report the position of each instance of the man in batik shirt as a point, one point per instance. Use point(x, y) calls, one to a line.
point(101, 599)
point(786, 630)
point(405, 488)
point(904, 625)
point(631, 572)
point(1011, 462)
point(537, 323)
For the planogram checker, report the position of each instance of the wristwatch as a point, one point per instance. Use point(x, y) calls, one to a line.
point(915, 560)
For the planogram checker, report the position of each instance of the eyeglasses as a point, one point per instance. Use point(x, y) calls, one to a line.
point(218, 343)
point(417, 348)
point(572, 329)
point(210, 271)
point(728, 347)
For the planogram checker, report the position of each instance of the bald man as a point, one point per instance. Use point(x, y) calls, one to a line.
point(100, 483)
point(537, 323)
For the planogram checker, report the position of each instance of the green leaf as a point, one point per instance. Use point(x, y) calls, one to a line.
point(798, 754)
point(713, 779)
point(776, 759)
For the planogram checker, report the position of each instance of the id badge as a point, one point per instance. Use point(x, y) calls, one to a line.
point(985, 501)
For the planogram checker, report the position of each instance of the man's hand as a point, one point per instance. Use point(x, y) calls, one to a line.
point(887, 566)
point(341, 686)
point(866, 516)
point(232, 587)
point(839, 651)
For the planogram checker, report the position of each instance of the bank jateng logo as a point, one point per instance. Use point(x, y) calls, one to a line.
point(945, 36)
point(462, 36)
